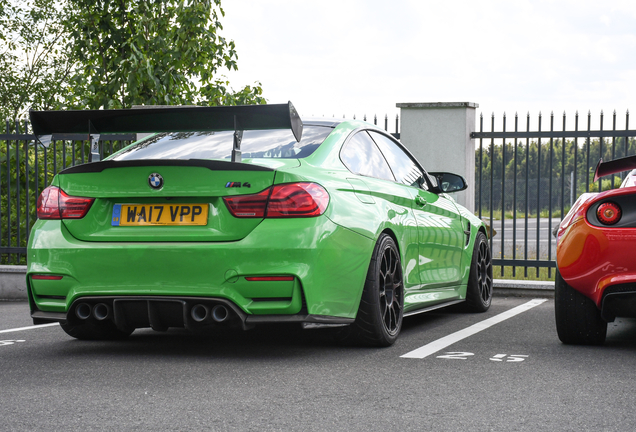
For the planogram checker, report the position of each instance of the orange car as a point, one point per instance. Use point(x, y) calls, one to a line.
point(596, 270)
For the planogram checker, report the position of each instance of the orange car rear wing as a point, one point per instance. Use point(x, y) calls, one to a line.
point(614, 166)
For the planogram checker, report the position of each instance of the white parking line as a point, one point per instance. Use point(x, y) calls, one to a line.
point(28, 328)
point(446, 341)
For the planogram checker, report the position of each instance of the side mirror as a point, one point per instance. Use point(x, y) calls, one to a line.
point(449, 182)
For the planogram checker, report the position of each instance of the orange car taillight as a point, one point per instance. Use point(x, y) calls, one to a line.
point(291, 200)
point(609, 213)
point(54, 203)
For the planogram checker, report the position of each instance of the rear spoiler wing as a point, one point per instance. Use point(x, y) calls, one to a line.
point(614, 166)
point(168, 119)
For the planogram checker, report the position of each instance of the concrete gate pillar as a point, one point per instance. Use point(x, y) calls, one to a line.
point(438, 135)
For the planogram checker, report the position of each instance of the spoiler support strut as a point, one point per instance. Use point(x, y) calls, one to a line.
point(238, 137)
point(93, 138)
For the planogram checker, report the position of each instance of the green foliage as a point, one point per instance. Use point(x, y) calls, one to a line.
point(34, 61)
point(22, 180)
point(550, 169)
point(159, 52)
point(88, 54)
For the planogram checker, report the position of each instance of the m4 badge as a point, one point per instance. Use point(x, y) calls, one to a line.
point(237, 185)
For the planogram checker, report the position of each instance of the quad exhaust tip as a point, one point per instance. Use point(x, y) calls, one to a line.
point(83, 311)
point(219, 313)
point(199, 312)
point(101, 311)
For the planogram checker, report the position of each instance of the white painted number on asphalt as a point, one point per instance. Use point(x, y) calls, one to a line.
point(509, 358)
point(458, 355)
point(9, 342)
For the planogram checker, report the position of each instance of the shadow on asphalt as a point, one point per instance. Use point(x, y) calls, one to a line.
point(621, 333)
point(267, 341)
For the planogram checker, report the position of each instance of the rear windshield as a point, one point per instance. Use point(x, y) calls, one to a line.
point(276, 143)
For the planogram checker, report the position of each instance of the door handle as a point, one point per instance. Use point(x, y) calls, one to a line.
point(420, 201)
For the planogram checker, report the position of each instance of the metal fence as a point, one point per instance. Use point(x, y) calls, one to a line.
point(26, 168)
point(526, 181)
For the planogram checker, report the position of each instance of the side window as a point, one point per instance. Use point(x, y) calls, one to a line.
point(403, 167)
point(362, 156)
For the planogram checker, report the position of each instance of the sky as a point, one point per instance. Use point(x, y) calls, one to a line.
point(357, 57)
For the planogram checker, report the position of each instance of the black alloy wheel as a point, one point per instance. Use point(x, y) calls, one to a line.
point(391, 290)
point(479, 290)
point(379, 318)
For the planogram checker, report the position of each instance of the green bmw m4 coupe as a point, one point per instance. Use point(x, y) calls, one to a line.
point(239, 216)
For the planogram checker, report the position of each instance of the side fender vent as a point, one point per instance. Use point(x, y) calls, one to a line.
point(467, 232)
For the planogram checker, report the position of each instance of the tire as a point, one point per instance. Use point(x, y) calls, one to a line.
point(479, 289)
point(89, 330)
point(578, 320)
point(379, 318)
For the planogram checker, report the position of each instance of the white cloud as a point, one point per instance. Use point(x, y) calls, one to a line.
point(353, 56)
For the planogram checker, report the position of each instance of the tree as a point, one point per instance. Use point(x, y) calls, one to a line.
point(34, 61)
point(114, 54)
point(152, 52)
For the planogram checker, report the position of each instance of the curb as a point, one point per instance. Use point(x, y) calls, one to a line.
point(521, 288)
point(13, 285)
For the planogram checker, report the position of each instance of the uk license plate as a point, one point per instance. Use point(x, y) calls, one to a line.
point(159, 214)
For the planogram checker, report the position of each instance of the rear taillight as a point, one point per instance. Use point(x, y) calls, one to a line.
point(290, 200)
point(609, 213)
point(54, 203)
point(248, 206)
point(297, 200)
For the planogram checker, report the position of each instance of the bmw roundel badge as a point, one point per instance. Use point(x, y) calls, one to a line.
point(155, 181)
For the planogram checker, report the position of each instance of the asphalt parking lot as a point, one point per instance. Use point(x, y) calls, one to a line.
point(509, 372)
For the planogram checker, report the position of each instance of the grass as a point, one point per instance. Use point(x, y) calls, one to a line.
point(520, 273)
point(496, 214)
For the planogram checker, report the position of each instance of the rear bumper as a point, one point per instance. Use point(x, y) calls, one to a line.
point(619, 301)
point(161, 313)
point(593, 259)
point(328, 263)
